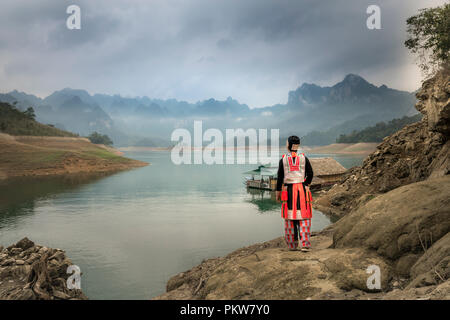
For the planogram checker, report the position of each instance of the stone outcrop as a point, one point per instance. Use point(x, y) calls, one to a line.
point(408, 226)
point(418, 152)
point(434, 102)
point(34, 272)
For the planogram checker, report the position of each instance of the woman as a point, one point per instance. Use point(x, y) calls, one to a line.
point(294, 177)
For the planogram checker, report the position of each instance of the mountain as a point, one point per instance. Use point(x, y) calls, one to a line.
point(351, 104)
point(350, 90)
point(323, 113)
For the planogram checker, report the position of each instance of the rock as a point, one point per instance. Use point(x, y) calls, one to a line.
point(15, 251)
point(434, 102)
point(340, 199)
point(20, 262)
point(404, 264)
point(7, 262)
point(43, 250)
point(434, 263)
point(39, 273)
point(32, 258)
point(59, 256)
point(60, 295)
point(1, 248)
point(24, 244)
point(393, 223)
point(423, 280)
point(348, 269)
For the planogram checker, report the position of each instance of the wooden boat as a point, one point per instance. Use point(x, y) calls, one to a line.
point(327, 171)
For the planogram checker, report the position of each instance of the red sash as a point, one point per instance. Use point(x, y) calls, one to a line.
point(305, 202)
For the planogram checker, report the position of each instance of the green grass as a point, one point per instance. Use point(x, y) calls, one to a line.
point(47, 157)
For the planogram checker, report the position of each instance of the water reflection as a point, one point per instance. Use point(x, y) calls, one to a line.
point(18, 196)
point(263, 199)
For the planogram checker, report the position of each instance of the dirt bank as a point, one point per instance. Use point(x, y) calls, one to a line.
point(42, 156)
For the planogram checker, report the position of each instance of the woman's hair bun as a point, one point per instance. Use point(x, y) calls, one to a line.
point(293, 140)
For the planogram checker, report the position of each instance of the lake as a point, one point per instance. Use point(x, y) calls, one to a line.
point(131, 231)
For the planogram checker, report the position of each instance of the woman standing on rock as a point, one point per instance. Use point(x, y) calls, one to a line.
point(294, 177)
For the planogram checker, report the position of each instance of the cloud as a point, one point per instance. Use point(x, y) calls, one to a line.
point(253, 50)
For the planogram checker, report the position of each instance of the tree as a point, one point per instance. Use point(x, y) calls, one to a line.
point(98, 138)
point(429, 37)
point(30, 113)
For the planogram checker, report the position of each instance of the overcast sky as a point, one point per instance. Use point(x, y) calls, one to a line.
point(253, 50)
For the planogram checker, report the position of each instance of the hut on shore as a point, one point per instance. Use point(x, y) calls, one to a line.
point(327, 171)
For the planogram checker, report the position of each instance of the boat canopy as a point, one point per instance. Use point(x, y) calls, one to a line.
point(263, 171)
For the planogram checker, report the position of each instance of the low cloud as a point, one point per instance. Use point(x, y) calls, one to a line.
point(253, 50)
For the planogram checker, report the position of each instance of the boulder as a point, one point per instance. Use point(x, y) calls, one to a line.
point(399, 222)
point(24, 244)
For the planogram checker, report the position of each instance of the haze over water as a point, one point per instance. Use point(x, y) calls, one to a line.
point(131, 231)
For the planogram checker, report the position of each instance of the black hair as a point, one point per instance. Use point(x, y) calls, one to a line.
point(293, 140)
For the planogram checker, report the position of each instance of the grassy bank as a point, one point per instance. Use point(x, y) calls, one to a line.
point(30, 148)
point(40, 156)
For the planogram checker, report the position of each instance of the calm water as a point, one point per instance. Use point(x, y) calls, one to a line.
point(129, 232)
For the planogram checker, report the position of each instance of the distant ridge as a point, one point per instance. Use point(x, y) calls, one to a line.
point(351, 104)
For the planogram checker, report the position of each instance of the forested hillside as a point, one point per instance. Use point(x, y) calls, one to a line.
point(379, 131)
point(22, 123)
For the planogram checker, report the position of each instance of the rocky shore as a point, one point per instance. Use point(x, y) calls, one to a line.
point(394, 214)
point(33, 272)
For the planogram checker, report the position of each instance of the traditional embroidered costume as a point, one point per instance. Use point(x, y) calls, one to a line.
point(294, 173)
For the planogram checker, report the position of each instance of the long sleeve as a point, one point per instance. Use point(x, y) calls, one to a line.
point(309, 172)
point(280, 175)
